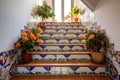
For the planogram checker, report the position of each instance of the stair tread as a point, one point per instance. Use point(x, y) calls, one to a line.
point(61, 77)
point(62, 45)
point(61, 53)
point(62, 64)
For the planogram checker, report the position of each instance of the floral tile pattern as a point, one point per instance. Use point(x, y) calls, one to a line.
point(7, 61)
point(112, 58)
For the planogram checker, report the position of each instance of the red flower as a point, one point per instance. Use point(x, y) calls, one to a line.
point(39, 41)
point(1, 61)
point(27, 31)
point(84, 45)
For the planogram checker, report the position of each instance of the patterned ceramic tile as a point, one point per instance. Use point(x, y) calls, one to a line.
point(62, 70)
point(7, 58)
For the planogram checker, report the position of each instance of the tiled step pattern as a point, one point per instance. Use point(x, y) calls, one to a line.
point(62, 77)
point(61, 53)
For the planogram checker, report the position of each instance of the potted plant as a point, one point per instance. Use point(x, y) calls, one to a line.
point(96, 41)
point(44, 11)
point(76, 11)
point(26, 43)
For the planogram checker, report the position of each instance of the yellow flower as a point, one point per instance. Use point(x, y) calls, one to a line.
point(38, 35)
point(84, 41)
point(92, 36)
point(24, 34)
point(39, 30)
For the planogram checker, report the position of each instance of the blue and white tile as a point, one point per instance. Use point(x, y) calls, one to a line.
point(38, 69)
point(22, 70)
point(83, 69)
point(87, 57)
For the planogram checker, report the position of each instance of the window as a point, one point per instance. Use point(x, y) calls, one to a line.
point(62, 8)
point(67, 10)
point(58, 10)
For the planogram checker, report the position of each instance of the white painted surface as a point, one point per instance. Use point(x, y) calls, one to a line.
point(14, 15)
point(107, 15)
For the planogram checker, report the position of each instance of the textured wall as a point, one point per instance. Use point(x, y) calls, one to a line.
point(14, 15)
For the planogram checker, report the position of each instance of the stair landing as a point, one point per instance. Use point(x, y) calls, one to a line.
point(61, 77)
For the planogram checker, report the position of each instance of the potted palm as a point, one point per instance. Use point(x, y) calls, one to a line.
point(76, 11)
point(26, 43)
point(44, 11)
point(96, 41)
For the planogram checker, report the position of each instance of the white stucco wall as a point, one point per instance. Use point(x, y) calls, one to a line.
point(107, 14)
point(14, 15)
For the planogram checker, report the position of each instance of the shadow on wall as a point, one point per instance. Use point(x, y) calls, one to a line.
point(101, 3)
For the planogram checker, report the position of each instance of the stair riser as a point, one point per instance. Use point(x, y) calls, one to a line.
point(62, 70)
point(82, 57)
point(62, 41)
point(59, 48)
point(65, 27)
point(63, 36)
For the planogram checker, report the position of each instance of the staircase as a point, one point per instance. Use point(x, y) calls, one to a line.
point(62, 56)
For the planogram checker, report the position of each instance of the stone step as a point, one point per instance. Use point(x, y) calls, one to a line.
point(62, 64)
point(61, 77)
point(24, 69)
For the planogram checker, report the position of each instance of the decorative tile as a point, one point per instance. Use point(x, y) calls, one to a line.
point(7, 59)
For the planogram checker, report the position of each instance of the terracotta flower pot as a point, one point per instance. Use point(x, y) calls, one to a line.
point(97, 57)
point(27, 58)
point(76, 19)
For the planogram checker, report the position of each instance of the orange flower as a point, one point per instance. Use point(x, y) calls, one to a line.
point(40, 42)
point(32, 36)
point(92, 36)
point(25, 39)
point(17, 45)
point(24, 34)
